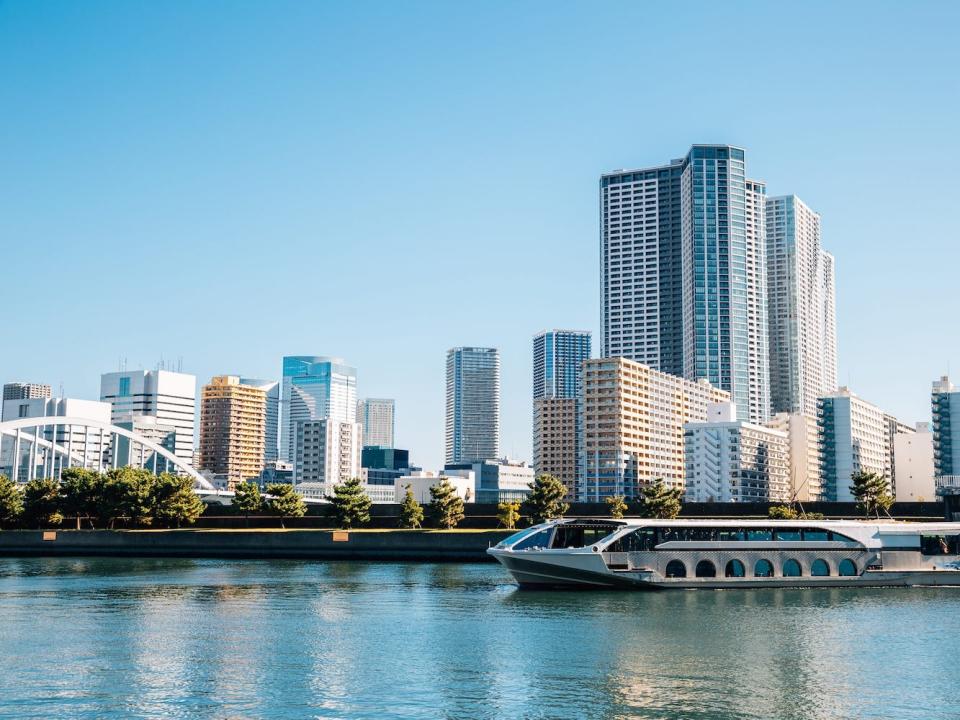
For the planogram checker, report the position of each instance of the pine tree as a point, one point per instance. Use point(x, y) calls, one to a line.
point(127, 492)
point(446, 507)
point(351, 504)
point(174, 501)
point(247, 499)
point(508, 513)
point(872, 491)
point(42, 503)
point(81, 490)
point(781, 512)
point(11, 502)
point(618, 506)
point(411, 513)
point(659, 501)
point(285, 501)
point(545, 501)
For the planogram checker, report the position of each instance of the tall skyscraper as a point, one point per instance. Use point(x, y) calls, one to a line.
point(25, 391)
point(272, 389)
point(633, 419)
point(558, 357)
point(945, 401)
point(801, 307)
point(683, 272)
point(233, 422)
point(473, 404)
point(168, 396)
point(376, 416)
point(315, 388)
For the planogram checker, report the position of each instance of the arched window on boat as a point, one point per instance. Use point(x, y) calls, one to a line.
point(763, 568)
point(676, 569)
point(847, 568)
point(791, 568)
point(705, 568)
point(820, 568)
point(735, 568)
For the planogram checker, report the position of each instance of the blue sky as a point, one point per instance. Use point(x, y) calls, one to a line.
point(229, 182)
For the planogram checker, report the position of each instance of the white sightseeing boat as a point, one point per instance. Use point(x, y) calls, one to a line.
point(634, 553)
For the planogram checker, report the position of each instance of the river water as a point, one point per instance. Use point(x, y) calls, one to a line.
point(120, 638)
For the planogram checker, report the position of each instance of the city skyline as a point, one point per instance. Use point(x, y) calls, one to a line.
point(267, 170)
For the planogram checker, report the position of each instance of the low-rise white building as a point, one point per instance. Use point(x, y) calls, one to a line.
point(729, 460)
point(498, 480)
point(913, 460)
point(421, 481)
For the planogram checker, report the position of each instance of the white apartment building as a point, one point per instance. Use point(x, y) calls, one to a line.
point(913, 465)
point(802, 434)
point(801, 307)
point(327, 451)
point(170, 397)
point(729, 460)
point(377, 417)
point(633, 420)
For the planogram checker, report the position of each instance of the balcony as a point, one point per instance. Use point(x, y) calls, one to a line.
point(947, 485)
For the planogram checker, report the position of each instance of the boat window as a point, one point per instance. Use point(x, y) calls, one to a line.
point(789, 534)
point(819, 568)
point(574, 536)
point(676, 569)
point(791, 568)
point(672, 534)
point(937, 545)
point(701, 534)
point(847, 568)
point(640, 540)
point(763, 568)
point(705, 568)
point(759, 534)
point(815, 535)
point(537, 540)
point(735, 568)
point(509, 540)
point(730, 534)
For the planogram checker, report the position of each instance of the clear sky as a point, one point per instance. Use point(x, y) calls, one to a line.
point(229, 182)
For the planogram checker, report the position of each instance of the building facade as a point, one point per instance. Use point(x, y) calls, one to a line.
point(168, 396)
point(683, 273)
point(25, 391)
point(730, 460)
point(495, 481)
point(801, 306)
point(854, 437)
point(271, 435)
point(315, 388)
point(913, 465)
point(377, 417)
point(233, 423)
point(327, 451)
point(945, 406)
point(805, 477)
point(472, 404)
point(556, 440)
point(633, 426)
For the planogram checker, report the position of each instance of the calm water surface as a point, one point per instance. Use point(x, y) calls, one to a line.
point(101, 638)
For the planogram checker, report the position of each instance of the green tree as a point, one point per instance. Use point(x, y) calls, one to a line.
point(446, 507)
point(42, 503)
point(127, 492)
point(411, 513)
point(781, 512)
point(247, 499)
point(11, 502)
point(81, 489)
point(508, 513)
point(351, 504)
point(618, 506)
point(659, 501)
point(872, 492)
point(285, 501)
point(545, 500)
point(174, 500)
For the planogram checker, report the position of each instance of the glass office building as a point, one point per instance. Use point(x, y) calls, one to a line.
point(315, 388)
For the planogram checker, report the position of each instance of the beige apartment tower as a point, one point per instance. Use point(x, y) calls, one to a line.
point(554, 440)
point(232, 429)
point(633, 418)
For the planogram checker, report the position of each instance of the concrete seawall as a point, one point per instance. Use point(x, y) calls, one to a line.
point(423, 545)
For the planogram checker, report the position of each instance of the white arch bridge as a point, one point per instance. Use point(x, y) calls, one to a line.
point(46, 446)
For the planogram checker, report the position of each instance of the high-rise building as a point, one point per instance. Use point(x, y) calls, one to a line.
point(683, 272)
point(802, 308)
point(945, 402)
point(913, 465)
point(168, 396)
point(315, 388)
point(271, 433)
point(473, 404)
point(233, 420)
point(801, 430)
point(854, 437)
point(895, 428)
point(633, 419)
point(25, 391)
point(558, 357)
point(376, 415)
point(327, 452)
point(729, 460)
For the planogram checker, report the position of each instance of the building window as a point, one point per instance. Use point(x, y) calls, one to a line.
point(124, 389)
